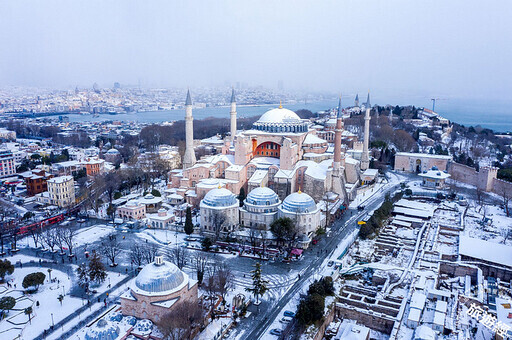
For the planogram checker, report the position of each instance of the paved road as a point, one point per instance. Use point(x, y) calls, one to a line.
point(341, 228)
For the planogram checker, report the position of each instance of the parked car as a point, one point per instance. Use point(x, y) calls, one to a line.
point(276, 331)
point(330, 263)
point(289, 313)
point(286, 319)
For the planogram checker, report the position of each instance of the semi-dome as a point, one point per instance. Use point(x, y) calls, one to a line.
point(280, 120)
point(220, 197)
point(159, 277)
point(299, 202)
point(262, 196)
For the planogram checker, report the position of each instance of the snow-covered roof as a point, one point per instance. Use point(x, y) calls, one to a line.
point(435, 174)
point(313, 139)
point(220, 197)
point(299, 202)
point(479, 249)
point(413, 212)
point(422, 155)
point(418, 300)
point(159, 279)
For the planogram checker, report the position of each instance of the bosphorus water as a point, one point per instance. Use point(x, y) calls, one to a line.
point(495, 115)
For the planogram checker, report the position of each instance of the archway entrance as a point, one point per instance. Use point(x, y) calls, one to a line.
point(418, 165)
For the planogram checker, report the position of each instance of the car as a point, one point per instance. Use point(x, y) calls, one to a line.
point(361, 207)
point(330, 263)
point(289, 313)
point(315, 241)
point(276, 331)
point(286, 319)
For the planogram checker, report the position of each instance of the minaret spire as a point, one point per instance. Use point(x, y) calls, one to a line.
point(189, 159)
point(365, 157)
point(368, 104)
point(232, 115)
point(338, 182)
point(356, 101)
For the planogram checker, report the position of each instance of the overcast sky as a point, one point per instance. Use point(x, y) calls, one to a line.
point(457, 48)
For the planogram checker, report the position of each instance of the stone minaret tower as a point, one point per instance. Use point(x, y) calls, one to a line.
point(338, 179)
point(356, 102)
point(232, 114)
point(189, 159)
point(365, 157)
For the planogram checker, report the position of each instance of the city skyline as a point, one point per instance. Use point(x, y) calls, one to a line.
point(399, 48)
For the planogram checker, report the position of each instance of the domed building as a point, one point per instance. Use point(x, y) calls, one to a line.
point(219, 211)
point(281, 120)
point(159, 287)
point(302, 209)
point(260, 208)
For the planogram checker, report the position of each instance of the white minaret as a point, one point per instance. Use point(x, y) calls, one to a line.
point(189, 159)
point(232, 114)
point(365, 157)
point(338, 178)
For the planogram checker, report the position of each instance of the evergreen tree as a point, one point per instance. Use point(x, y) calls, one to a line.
point(5, 268)
point(189, 226)
point(33, 280)
point(97, 272)
point(241, 196)
point(7, 303)
point(259, 285)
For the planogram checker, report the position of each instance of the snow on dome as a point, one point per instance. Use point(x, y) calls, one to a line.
point(299, 202)
point(424, 333)
point(262, 196)
point(113, 152)
point(103, 330)
point(279, 115)
point(220, 197)
point(160, 278)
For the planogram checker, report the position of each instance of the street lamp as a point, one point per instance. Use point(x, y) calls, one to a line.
point(53, 325)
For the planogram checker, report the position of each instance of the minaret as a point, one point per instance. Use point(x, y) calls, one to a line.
point(189, 159)
point(365, 157)
point(368, 104)
point(356, 102)
point(232, 114)
point(338, 182)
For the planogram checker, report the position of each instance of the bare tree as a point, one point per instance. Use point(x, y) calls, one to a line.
point(111, 249)
point(506, 199)
point(36, 235)
point(479, 197)
point(150, 252)
point(178, 256)
point(137, 254)
point(49, 237)
point(218, 220)
point(225, 279)
point(68, 235)
point(200, 262)
point(59, 238)
point(181, 321)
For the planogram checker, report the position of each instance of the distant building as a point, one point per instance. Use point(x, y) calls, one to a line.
point(36, 182)
point(93, 166)
point(132, 210)
point(7, 134)
point(434, 178)
point(161, 220)
point(7, 167)
point(62, 191)
point(419, 162)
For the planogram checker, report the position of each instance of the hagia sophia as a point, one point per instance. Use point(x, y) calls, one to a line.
point(286, 165)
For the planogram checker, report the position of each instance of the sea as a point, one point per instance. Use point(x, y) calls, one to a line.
point(495, 115)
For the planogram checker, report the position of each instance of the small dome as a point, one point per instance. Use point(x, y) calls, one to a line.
point(113, 152)
point(262, 196)
point(220, 197)
point(424, 332)
point(103, 330)
point(156, 278)
point(299, 202)
point(279, 115)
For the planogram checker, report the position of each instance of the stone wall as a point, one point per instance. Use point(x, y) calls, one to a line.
point(372, 321)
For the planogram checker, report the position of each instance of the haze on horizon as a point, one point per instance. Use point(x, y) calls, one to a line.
point(452, 48)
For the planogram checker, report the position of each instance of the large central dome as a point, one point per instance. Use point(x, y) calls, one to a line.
point(279, 115)
point(280, 120)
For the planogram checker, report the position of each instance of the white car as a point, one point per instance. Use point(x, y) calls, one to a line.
point(285, 319)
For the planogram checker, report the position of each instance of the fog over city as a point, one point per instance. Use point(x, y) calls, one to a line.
point(456, 48)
